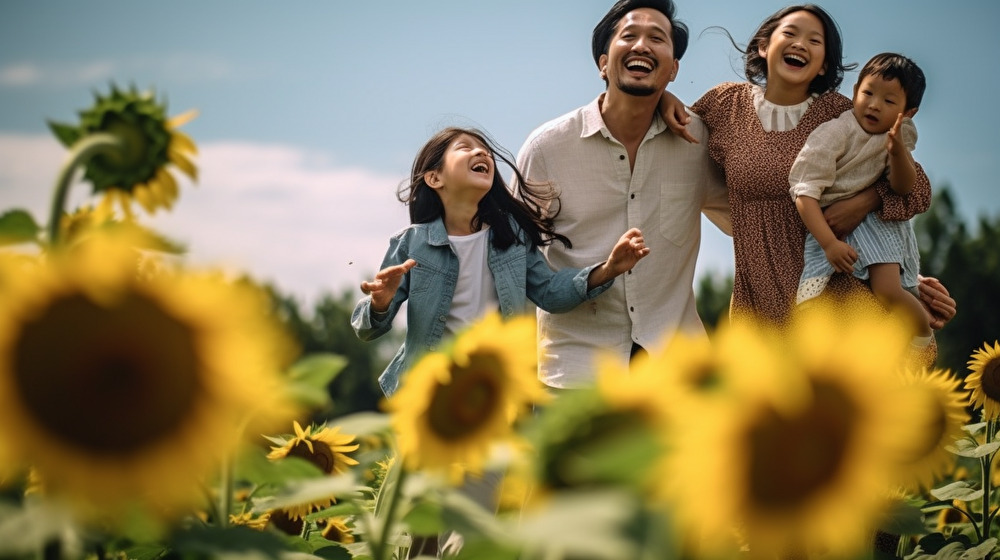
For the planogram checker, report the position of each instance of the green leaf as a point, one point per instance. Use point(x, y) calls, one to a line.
point(966, 448)
point(974, 429)
point(26, 530)
point(903, 519)
point(17, 226)
point(981, 551)
point(336, 510)
point(233, 543)
point(572, 525)
point(310, 376)
point(363, 423)
point(66, 134)
point(333, 552)
point(253, 466)
point(424, 518)
point(959, 490)
point(299, 492)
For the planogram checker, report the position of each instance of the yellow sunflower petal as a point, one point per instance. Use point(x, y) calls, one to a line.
point(984, 380)
point(182, 119)
point(182, 142)
point(183, 162)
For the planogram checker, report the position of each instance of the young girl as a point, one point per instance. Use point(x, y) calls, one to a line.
point(472, 248)
point(847, 154)
point(793, 66)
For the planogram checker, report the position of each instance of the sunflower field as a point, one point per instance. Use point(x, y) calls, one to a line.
point(149, 410)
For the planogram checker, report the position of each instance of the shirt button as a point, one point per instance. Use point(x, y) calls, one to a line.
point(630, 272)
point(442, 318)
point(621, 156)
point(631, 308)
point(631, 195)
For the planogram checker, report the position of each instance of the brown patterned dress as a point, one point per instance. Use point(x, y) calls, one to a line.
point(768, 234)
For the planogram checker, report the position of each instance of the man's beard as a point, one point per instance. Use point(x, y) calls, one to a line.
point(637, 91)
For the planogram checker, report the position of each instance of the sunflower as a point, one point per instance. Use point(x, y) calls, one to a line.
point(452, 407)
point(121, 389)
point(936, 393)
point(137, 170)
point(336, 530)
point(326, 449)
point(984, 380)
point(808, 467)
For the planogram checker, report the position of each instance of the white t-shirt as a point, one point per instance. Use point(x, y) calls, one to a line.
point(475, 291)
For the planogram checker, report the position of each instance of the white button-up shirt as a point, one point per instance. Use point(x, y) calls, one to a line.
point(672, 184)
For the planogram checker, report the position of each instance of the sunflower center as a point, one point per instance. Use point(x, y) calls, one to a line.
point(991, 379)
point(321, 455)
point(792, 458)
point(472, 398)
point(107, 379)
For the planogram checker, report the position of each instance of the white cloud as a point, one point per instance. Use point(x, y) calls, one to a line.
point(174, 68)
point(20, 75)
point(284, 215)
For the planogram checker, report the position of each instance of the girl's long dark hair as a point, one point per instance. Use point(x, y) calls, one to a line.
point(534, 210)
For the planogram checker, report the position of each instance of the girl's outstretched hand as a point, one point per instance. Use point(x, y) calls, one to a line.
point(386, 282)
point(631, 247)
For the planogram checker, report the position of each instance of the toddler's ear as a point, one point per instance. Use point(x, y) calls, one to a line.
point(910, 112)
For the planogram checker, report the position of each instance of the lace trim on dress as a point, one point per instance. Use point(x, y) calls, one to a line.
point(779, 118)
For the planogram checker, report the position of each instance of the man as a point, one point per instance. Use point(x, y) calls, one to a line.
point(617, 166)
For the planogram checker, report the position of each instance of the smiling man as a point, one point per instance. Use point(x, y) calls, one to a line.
point(617, 166)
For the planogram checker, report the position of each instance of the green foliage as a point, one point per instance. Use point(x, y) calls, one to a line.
point(968, 264)
point(713, 295)
point(327, 329)
point(18, 226)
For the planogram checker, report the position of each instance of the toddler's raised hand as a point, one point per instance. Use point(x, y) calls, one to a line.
point(894, 138)
point(386, 282)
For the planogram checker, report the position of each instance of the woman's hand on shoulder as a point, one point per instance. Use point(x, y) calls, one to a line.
point(674, 113)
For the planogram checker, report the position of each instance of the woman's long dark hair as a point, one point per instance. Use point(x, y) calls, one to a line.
point(534, 210)
point(755, 66)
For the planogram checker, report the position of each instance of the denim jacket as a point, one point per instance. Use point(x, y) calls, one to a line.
point(520, 272)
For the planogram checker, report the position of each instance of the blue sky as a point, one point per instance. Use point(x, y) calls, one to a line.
point(311, 112)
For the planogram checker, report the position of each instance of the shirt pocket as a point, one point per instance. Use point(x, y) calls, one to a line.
point(679, 212)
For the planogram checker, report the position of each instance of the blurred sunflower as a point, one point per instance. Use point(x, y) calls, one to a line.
point(336, 530)
point(936, 393)
point(807, 468)
point(452, 408)
point(984, 380)
point(149, 143)
point(119, 388)
point(326, 448)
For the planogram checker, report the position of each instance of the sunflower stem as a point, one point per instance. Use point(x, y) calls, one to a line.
point(81, 152)
point(382, 547)
point(987, 461)
point(225, 492)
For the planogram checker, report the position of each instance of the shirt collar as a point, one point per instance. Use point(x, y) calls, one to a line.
point(437, 234)
point(593, 122)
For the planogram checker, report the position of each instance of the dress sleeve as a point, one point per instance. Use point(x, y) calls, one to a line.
point(898, 208)
point(706, 105)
